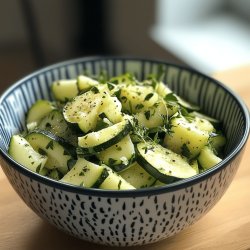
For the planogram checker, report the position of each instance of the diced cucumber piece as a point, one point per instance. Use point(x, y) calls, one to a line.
point(37, 111)
point(85, 83)
point(162, 163)
point(194, 164)
point(64, 90)
point(153, 117)
point(204, 124)
point(115, 182)
point(215, 122)
point(207, 158)
point(217, 142)
point(84, 110)
point(119, 155)
point(86, 174)
point(137, 176)
point(133, 96)
point(111, 108)
point(22, 152)
point(162, 89)
point(185, 137)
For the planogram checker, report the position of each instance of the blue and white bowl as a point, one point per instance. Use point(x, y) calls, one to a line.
point(124, 218)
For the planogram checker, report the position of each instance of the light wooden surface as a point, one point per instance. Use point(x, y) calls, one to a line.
point(226, 226)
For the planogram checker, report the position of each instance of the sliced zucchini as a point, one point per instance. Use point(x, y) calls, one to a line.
point(204, 124)
point(111, 108)
point(162, 163)
point(215, 122)
point(22, 152)
point(194, 164)
point(85, 83)
point(207, 158)
point(162, 89)
point(47, 144)
point(97, 141)
point(137, 176)
point(119, 155)
point(115, 182)
point(54, 174)
point(187, 105)
point(64, 90)
point(55, 123)
point(153, 117)
point(185, 137)
point(37, 111)
point(86, 174)
point(84, 110)
point(159, 184)
point(134, 96)
point(217, 142)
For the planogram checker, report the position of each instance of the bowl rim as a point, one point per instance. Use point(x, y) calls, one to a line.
point(185, 183)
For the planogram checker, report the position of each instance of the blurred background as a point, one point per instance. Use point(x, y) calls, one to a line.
point(207, 35)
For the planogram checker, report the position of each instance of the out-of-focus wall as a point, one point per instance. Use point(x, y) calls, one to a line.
point(60, 29)
point(129, 24)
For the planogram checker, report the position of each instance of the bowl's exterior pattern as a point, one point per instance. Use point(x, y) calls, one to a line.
point(122, 221)
point(136, 218)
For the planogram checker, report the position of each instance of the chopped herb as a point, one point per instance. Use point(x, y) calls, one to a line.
point(139, 106)
point(119, 184)
point(38, 168)
point(171, 98)
point(147, 114)
point(111, 162)
point(110, 85)
point(41, 151)
point(50, 145)
point(185, 151)
point(148, 96)
point(71, 163)
point(95, 90)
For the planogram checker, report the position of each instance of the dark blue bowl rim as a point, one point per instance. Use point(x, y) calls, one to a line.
point(138, 192)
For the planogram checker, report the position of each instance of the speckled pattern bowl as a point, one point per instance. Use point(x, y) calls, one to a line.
point(124, 218)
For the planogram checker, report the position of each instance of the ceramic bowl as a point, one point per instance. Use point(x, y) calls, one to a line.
point(124, 218)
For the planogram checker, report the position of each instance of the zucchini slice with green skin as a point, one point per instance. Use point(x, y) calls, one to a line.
point(83, 110)
point(64, 90)
point(86, 174)
point(215, 122)
point(217, 142)
point(115, 182)
point(207, 158)
point(50, 145)
point(85, 83)
point(97, 141)
point(38, 110)
point(22, 152)
point(187, 105)
point(162, 163)
point(118, 156)
point(55, 123)
point(137, 176)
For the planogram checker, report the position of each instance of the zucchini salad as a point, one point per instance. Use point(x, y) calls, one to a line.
point(117, 133)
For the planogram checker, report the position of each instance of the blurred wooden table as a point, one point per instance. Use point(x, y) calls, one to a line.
point(226, 226)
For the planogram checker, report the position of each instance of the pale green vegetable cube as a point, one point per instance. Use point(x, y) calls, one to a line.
point(185, 137)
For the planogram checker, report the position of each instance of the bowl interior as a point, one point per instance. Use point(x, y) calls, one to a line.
point(215, 99)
